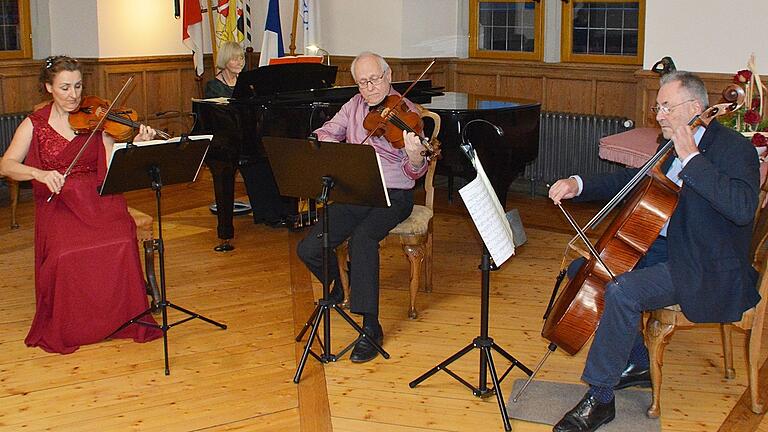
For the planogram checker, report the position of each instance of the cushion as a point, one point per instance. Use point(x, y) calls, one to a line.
point(417, 223)
point(632, 148)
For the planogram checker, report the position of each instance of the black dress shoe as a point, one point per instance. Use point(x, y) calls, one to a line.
point(225, 246)
point(277, 223)
point(364, 351)
point(587, 415)
point(634, 375)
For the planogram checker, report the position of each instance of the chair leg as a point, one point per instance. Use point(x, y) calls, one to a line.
point(428, 264)
point(342, 256)
point(13, 190)
point(415, 254)
point(149, 270)
point(658, 331)
point(725, 332)
point(753, 367)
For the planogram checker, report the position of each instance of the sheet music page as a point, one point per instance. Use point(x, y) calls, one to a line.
point(217, 100)
point(488, 215)
point(122, 145)
point(383, 181)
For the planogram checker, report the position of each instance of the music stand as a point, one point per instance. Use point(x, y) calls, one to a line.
point(353, 171)
point(483, 342)
point(154, 164)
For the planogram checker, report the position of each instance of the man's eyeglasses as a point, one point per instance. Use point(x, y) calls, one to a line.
point(666, 110)
point(374, 81)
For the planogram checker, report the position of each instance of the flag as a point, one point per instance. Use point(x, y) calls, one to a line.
point(229, 25)
point(272, 45)
point(310, 15)
point(192, 32)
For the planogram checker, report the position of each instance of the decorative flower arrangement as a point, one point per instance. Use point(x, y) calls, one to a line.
point(751, 119)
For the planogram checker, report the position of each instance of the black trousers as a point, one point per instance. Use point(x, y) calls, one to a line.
point(266, 202)
point(365, 227)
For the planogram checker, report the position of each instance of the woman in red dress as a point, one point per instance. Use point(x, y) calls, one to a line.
point(88, 278)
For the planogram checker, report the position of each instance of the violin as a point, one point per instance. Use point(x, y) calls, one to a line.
point(120, 123)
point(391, 118)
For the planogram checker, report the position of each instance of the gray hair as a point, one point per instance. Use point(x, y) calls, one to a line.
point(228, 51)
point(691, 83)
point(382, 63)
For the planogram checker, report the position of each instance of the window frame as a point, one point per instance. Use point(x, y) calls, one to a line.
point(566, 38)
point(25, 35)
point(474, 27)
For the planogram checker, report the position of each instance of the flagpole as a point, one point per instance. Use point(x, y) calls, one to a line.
point(213, 36)
point(292, 47)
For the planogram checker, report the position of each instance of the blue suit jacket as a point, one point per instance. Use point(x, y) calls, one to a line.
point(710, 231)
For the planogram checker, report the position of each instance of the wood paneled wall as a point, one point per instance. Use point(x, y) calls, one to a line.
point(164, 85)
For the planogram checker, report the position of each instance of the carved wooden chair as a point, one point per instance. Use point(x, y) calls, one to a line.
point(414, 234)
point(145, 235)
point(663, 322)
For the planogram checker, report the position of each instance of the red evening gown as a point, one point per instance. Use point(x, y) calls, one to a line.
point(88, 278)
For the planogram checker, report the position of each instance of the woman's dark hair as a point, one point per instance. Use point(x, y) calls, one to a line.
point(52, 66)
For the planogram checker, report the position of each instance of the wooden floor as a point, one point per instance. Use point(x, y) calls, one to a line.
point(241, 378)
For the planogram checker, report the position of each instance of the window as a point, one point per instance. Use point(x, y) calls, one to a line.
point(506, 29)
point(609, 31)
point(15, 30)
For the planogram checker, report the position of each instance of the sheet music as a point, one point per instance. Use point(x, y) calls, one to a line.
point(383, 180)
point(122, 145)
point(217, 100)
point(488, 214)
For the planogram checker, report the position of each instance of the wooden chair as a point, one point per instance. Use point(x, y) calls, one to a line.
point(414, 234)
point(663, 322)
point(145, 235)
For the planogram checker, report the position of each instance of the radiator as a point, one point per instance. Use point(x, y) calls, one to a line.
point(568, 144)
point(8, 125)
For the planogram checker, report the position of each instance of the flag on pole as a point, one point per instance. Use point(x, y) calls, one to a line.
point(247, 28)
point(229, 26)
point(192, 32)
point(272, 45)
point(310, 15)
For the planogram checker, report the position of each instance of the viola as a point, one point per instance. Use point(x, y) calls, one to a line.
point(120, 123)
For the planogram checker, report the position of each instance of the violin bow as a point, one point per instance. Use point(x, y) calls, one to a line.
point(93, 132)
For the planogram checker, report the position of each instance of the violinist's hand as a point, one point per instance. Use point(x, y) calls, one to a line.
point(54, 180)
point(146, 133)
point(563, 189)
point(682, 136)
point(413, 148)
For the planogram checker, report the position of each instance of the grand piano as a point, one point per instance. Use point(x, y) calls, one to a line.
point(504, 157)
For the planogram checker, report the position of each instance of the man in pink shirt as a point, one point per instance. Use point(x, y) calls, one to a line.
point(365, 226)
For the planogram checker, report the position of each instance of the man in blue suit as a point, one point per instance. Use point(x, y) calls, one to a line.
point(700, 259)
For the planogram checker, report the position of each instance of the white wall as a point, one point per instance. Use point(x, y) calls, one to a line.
point(707, 35)
point(700, 35)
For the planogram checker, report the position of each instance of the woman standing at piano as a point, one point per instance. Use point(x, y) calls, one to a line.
point(224, 159)
point(88, 278)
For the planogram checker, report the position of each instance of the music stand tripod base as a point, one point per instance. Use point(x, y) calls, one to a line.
point(486, 345)
point(322, 311)
point(174, 162)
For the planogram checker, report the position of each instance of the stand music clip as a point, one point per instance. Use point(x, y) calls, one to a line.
point(154, 164)
point(354, 173)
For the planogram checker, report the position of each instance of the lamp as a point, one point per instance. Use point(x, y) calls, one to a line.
point(317, 49)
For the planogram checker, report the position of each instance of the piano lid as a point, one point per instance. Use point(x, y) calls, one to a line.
point(269, 80)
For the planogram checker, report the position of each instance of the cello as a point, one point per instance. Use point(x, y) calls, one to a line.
point(651, 198)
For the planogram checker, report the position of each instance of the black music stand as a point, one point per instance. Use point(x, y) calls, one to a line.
point(483, 342)
point(354, 173)
point(177, 160)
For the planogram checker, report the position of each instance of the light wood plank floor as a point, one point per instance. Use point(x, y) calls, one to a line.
point(241, 378)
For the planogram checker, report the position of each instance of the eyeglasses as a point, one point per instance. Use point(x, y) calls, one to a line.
point(666, 110)
point(374, 81)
